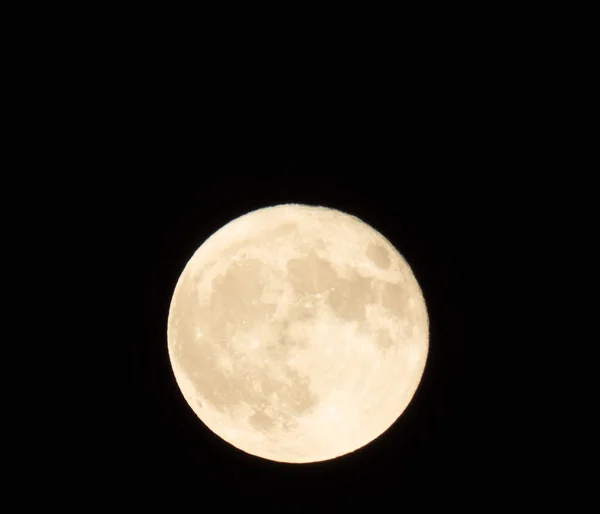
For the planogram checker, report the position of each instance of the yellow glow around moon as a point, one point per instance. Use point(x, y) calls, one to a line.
point(298, 333)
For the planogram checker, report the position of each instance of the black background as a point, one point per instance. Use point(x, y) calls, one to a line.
point(423, 189)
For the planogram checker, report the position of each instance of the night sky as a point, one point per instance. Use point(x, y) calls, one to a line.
point(419, 190)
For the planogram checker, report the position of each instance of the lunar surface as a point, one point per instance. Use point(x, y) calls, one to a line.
point(298, 333)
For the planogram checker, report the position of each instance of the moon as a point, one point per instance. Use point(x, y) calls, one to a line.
point(297, 333)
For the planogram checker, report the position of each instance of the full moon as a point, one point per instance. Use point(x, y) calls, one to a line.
point(298, 333)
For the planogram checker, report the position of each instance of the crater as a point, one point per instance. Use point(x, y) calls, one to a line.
point(303, 311)
point(289, 340)
point(350, 297)
point(409, 330)
point(311, 274)
point(261, 422)
point(237, 293)
point(320, 244)
point(383, 340)
point(379, 256)
point(287, 231)
point(224, 390)
point(395, 298)
point(201, 363)
point(298, 395)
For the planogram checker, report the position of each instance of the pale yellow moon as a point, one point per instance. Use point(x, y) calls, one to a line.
point(298, 333)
